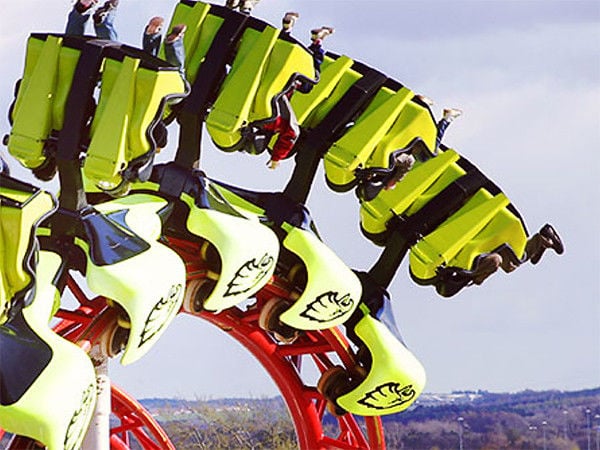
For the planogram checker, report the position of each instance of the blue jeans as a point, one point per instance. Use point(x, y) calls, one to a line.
point(77, 21)
point(441, 129)
point(106, 28)
point(175, 54)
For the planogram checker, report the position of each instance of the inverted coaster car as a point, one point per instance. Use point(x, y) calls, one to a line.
point(387, 378)
point(47, 384)
point(239, 252)
point(325, 292)
point(120, 134)
point(127, 264)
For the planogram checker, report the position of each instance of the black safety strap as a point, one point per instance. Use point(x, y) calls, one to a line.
point(404, 231)
point(437, 210)
point(313, 144)
point(207, 84)
point(354, 101)
point(77, 109)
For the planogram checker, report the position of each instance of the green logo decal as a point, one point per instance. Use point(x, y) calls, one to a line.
point(388, 395)
point(161, 313)
point(328, 307)
point(250, 275)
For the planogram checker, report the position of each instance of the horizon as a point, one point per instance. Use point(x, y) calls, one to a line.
point(425, 393)
point(527, 76)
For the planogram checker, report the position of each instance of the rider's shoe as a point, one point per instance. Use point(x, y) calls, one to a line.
point(425, 99)
point(318, 34)
point(451, 113)
point(289, 20)
point(546, 238)
point(102, 11)
point(247, 6)
point(84, 5)
point(553, 239)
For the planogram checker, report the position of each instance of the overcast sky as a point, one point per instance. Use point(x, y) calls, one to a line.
point(527, 75)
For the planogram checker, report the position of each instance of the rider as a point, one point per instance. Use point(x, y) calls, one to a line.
point(402, 165)
point(152, 35)
point(174, 49)
point(103, 16)
point(288, 21)
point(448, 115)
point(487, 264)
point(245, 6)
point(316, 47)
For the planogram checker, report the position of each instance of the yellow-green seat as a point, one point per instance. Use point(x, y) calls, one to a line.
point(262, 69)
point(395, 379)
point(22, 207)
point(48, 384)
point(439, 247)
point(413, 122)
point(357, 145)
point(147, 284)
point(485, 224)
point(41, 97)
point(332, 71)
point(246, 264)
point(234, 103)
point(132, 97)
point(200, 26)
point(285, 60)
point(338, 76)
point(332, 290)
point(198, 50)
point(419, 186)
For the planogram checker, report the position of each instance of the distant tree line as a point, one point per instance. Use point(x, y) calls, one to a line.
point(528, 420)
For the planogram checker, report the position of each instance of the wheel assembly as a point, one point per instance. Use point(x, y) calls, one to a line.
point(297, 275)
point(113, 340)
point(210, 256)
point(268, 320)
point(333, 383)
point(196, 293)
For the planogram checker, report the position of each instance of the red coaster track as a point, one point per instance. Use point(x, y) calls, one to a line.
point(94, 318)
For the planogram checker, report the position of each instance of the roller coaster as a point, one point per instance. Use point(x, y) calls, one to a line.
point(136, 242)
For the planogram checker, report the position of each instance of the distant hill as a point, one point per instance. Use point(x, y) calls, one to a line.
point(555, 420)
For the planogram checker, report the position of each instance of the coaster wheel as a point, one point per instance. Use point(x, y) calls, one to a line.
point(283, 360)
point(100, 322)
point(95, 321)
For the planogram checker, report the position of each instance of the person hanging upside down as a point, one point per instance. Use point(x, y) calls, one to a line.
point(536, 245)
point(288, 21)
point(174, 49)
point(78, 17)
point(316, 46)
point(245, 6)
point(372, 180)
point(450, 280)
point(103, 17)
point(448, 116)
point(283, 123)
point(152, 37)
